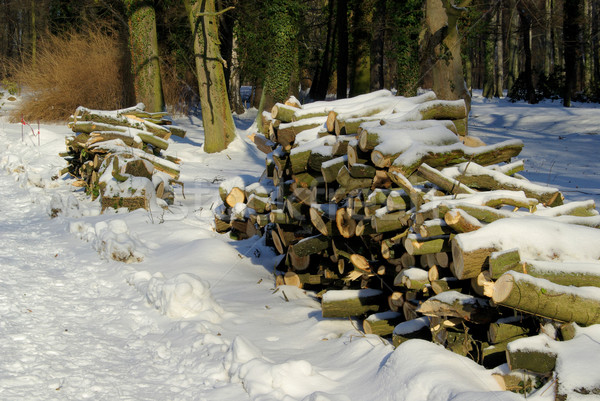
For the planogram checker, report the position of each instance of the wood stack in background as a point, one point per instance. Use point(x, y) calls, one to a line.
point(375, 204)
point(118, 156)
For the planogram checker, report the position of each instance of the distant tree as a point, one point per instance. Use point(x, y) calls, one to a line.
point(513, 46)
point(360, 58)
point(572, 21)
point(378, 45)
point(323, 70)
point(527, 75)
point(488, 58)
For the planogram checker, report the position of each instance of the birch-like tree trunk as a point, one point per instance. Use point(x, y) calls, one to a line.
point(235, 83)
point(219, 129)
point(499, 70)
point(549, 46)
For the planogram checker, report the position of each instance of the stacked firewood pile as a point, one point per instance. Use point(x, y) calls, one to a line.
point(118, 156)
point(385, 211)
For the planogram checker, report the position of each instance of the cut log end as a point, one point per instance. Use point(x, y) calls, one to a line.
point(503, 288)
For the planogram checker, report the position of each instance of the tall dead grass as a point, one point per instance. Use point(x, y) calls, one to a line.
point(180, 91)
point(74, 69)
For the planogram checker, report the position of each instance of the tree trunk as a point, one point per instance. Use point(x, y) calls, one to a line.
point(281, 77)
point(549, 47)
point(360, 62)
point(572, 20)
point(499, 64)
point(442, 21)
point(219, 129)
point(588, 67)
point(489, 61)
point(513, 46)
point(525, 19)
point(377, 46)
point(235, 84)
point(143, 42)
point(342, 58)
point(320, 85)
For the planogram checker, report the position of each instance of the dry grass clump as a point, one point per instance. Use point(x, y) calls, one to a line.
point(180, 92)
point(75, 69)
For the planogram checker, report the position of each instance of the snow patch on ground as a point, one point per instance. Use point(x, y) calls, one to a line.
point(112, 239)
point(182, 296)
point(264, 379)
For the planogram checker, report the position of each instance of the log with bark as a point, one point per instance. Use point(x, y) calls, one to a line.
point(543, 298)
point(351, 303)
point(439, 156)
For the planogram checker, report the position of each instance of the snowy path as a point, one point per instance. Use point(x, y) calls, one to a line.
point(72, 328)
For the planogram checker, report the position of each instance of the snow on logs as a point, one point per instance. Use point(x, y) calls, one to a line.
point(378, 204)
point(117, 155)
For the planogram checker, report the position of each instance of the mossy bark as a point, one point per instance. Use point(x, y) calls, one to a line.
point(143, 43)
point(219, 129)
point(542, 298)
point(282, 75)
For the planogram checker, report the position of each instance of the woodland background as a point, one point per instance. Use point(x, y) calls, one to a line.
point(84, 52)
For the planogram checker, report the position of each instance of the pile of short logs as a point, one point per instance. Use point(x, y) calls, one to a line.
point(391, 214)
point(118, 156)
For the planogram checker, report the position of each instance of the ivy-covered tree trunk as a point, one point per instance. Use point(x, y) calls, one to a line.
point(143, 43)
point(219, 129)
point(282, 76)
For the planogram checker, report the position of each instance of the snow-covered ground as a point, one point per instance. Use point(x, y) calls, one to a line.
point(196, 315)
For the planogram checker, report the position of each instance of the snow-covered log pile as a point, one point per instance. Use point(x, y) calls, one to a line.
point(399, 223)
point(118, 156)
